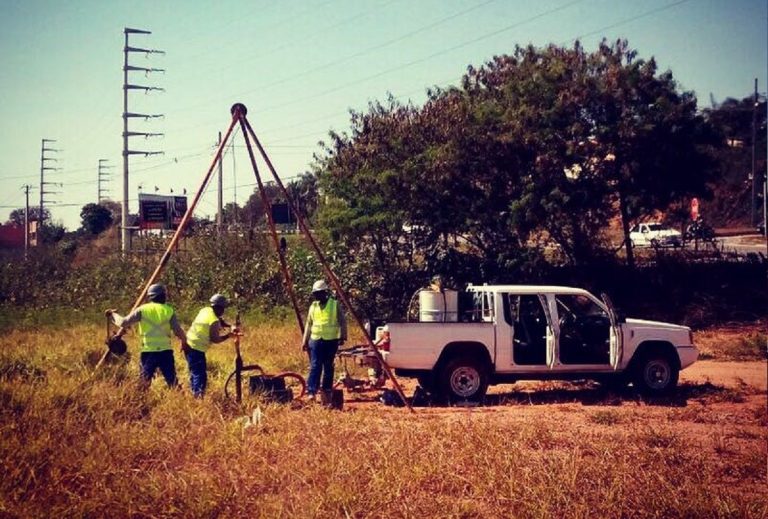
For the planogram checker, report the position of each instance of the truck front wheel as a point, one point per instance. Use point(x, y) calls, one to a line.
point(464, 379)
point(656, 375)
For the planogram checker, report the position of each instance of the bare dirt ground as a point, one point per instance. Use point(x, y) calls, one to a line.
point(728, 374)
point(729, 384)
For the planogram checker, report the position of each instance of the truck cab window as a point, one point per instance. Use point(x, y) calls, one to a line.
point(584, 330)
point(530, 330)
point(511, 308)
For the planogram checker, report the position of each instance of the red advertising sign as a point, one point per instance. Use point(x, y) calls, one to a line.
point(160, 211)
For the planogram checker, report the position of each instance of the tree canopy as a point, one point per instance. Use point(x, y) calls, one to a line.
point(95, 219)
point(17, 215)
point(544, 146)
point(732, 188)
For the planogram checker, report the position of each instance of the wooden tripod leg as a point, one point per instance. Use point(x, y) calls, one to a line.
point(321, 257)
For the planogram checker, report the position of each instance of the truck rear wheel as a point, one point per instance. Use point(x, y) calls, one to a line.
point(656, 375)
point(464, 379)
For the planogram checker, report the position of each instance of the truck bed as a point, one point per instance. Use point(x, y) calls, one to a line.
point(419, 345)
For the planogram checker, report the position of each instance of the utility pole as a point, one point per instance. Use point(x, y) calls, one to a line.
point(753, 221)
point(44, 159)
point(765, 187)
point(26, 188)
point(103, 176)
point(127, 49)
point(765, 206)
point(220, 204)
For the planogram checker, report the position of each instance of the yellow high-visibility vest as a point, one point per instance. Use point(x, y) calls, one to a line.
point(325, 321)
point(199, 334)
point(155, 326)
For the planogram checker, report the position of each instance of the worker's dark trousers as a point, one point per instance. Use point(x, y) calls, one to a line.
point(152, 360)
point(321, 354)
point(198, 375)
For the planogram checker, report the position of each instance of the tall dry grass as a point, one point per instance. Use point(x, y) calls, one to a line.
point(72, 444)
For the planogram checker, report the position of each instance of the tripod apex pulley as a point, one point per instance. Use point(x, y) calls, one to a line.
point(238, 108)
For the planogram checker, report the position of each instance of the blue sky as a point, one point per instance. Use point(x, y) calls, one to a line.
point(299, 66)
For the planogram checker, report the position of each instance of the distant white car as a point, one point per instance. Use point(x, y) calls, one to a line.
point(654, 234)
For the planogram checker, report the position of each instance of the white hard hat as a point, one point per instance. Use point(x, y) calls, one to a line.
point(320, 286)
point(219, 300)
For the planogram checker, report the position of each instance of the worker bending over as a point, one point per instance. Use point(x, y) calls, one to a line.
point(325, 331)
point(205, 330)
point(156, 322)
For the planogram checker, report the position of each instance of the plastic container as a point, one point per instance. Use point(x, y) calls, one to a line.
point(438, 307)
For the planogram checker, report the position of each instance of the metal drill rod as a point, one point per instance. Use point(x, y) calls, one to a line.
point(321, 257)
point(287, 277)
point(238, 363)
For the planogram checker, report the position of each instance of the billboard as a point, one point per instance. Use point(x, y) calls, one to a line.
point(179, 208)
point(281, 213)
point(160, 211)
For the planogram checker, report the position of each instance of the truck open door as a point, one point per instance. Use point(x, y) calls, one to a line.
point(551, 333)
point(615, 337)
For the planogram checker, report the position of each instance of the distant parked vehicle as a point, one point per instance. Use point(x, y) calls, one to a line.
point(654, 234)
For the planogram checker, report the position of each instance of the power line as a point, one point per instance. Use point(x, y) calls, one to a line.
point(293, 42)
point(417, 61)
point(629, 20)
point(369, 49)
point(426, 58)
point(472, 41)
point(287, 20)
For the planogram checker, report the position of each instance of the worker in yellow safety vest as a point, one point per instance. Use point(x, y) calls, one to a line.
point(325, 331)
point(205, 330)
point(156, 320)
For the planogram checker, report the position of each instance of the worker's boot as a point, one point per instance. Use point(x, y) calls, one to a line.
point(332, 398)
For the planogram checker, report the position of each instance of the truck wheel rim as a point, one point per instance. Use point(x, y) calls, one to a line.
point(465, 381)
point(657, 374)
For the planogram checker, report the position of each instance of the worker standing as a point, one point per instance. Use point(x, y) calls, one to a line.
point(205, 330)
point(325, 331)
point(156, 322)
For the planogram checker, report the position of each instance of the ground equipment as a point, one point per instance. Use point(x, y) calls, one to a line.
point(116, 347)
point(362, 356)
point(279, 388)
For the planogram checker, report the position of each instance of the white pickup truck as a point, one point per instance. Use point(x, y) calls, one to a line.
point(514, 332)
point(653, 234)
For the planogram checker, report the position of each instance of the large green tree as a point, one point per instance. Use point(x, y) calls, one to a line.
point(607, 133)
point(17, 215)
point(732, 189)
point(544, 145)
point(95, 219)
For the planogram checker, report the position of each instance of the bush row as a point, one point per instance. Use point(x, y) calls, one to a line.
point(247, 270)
